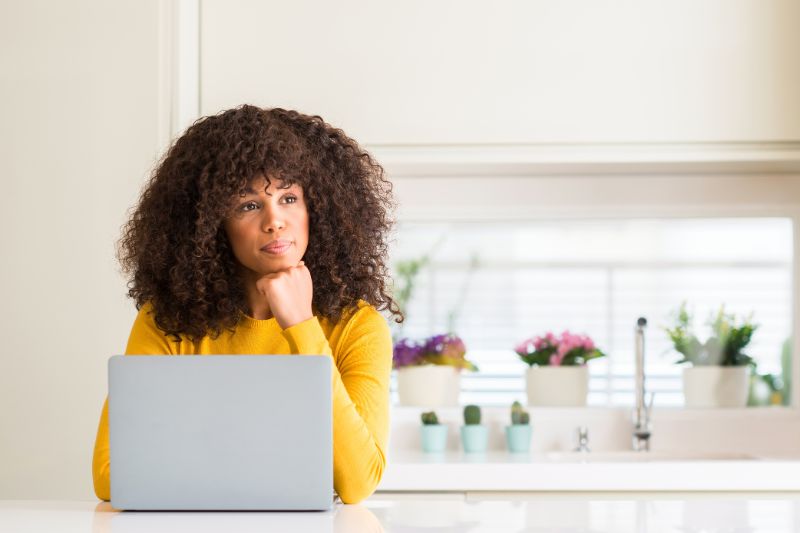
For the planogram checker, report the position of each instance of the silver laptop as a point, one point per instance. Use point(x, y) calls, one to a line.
point(220, 432)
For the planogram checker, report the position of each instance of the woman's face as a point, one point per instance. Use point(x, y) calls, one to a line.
point(268, 229)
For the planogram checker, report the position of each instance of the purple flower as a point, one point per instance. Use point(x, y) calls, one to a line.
point(406, 353)
point(445, 345)
point(447, 349)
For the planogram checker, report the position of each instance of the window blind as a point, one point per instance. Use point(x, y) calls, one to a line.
point(498, 283)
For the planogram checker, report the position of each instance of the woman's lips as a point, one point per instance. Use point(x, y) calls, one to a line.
point(277, 247)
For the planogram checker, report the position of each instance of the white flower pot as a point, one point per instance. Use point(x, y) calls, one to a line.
point(557, 386)
point(428, 385)
point(716, 386)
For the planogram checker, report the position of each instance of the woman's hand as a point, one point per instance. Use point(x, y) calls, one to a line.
point(289, 294)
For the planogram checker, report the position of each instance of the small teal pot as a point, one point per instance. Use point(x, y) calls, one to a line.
point(518, 437)
point(474, 438)
point(434, 438)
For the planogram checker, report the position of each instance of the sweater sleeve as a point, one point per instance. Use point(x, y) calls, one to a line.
point(360, 397)
point(145, 339)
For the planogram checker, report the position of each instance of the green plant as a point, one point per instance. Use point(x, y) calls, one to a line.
point(786, 371)
point(404, 284)
point(519, 416)
point(472, 415)
point(404, 279)
point(407, 273)
point(773, 389)
point(430, 418)
point(724, 347)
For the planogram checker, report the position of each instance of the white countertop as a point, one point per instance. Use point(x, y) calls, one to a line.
point(591, 513)
point(603, 471)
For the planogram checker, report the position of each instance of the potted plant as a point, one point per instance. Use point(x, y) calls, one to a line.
point(557, 374)
point(474, 435)
point(719, 374)
point(429, 372)
point(518, 434)
point(434, 434)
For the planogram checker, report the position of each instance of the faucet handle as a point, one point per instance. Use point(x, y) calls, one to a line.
point(583, 439)
point(648, 408)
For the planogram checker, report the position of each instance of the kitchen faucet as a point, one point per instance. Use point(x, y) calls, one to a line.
point(583, 440)
point(641, 423)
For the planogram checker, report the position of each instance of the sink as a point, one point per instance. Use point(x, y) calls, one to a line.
point(625, 456)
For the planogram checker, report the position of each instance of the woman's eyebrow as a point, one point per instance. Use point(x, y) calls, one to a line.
point(250, 190)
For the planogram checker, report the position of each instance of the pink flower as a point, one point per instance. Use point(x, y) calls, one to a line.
point(547, 341)
point(553, 349)
point(526, 346)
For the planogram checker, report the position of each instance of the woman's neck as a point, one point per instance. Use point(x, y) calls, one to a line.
point(257, 304)
point(260, 313)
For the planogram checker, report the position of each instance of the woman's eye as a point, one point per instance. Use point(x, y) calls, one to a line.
point(252, 206)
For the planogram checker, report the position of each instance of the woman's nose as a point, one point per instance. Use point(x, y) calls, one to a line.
point(272, 222)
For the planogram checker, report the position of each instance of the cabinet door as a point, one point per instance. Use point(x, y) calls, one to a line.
point(509, 72)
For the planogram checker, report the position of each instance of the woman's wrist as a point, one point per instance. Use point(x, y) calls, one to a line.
point(293, 320)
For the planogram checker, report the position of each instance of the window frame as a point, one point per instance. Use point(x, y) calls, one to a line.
point(582, 214)
point(411, 170)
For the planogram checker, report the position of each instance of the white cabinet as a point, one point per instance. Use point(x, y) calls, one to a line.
point(507, 72)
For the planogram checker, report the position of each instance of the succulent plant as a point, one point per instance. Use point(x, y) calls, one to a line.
point(519, 416)
point(472, 415)
point(430, 418)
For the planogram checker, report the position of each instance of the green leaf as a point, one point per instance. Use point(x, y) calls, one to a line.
point(451, 361)
point(723, 347)
point(538, 357)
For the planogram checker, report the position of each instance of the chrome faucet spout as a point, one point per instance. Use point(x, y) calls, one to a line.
point(641, 423)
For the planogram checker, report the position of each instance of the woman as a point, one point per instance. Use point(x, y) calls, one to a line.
point(263, 231)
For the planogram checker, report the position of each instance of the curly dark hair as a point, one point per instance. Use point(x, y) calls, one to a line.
point(178, 257)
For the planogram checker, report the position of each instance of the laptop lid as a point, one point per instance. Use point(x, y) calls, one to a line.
point(220, 432)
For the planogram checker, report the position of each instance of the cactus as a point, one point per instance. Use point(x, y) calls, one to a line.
point(472, 415)
point(519, 416)
point(430, 419)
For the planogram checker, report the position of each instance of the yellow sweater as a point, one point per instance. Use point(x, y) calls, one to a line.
point(361, 348)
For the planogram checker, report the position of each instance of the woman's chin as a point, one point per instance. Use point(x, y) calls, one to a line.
point(271, 265)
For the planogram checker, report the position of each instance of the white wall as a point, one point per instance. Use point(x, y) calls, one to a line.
point(79, 133)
